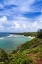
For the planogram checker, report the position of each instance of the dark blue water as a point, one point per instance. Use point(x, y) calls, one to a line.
point(3, 34)
point(10, 42)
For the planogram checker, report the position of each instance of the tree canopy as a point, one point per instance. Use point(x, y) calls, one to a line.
point(39, 33)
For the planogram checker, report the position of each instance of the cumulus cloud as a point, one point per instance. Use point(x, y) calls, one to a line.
point(12, 18)
point(20, 23)
point(2, 27)
point(24, 26)
point(34, 24)
point(2, 20)
point(16, 25)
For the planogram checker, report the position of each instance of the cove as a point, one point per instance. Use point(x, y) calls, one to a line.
point(11, 42)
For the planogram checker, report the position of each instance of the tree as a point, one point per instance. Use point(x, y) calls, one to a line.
point(39, 33)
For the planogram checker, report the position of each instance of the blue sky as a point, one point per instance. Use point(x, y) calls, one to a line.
point(20, 15)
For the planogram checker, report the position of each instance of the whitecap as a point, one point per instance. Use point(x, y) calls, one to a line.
point(10, 35)
point(2, 38)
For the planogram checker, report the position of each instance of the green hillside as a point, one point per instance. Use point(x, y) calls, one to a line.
point(28, 53)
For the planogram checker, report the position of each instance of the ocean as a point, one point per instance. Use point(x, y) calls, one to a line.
point(9, 42)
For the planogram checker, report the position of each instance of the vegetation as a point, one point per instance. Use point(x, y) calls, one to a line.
point(30, 34)
point(26, 33)
point(28, 53)
point(39, 33)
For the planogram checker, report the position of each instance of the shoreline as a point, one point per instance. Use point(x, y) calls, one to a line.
point(31, 37)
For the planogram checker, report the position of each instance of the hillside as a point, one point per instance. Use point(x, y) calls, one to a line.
point(28, 53)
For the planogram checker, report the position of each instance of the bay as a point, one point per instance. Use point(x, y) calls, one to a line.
point(10, 42)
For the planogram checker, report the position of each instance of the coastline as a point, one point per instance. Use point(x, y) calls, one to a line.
point(31, 37)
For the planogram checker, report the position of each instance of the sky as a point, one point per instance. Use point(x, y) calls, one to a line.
point(20, 15)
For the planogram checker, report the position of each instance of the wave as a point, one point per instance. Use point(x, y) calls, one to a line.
point(14, 35)
point(10, 35)
point(1, 38)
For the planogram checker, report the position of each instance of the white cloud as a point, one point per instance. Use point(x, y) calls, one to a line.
point(16, 25)
point(27, 24)
point(20, 23)
point(3, 19)
point(38, 23)
point(1, 27)
point(23, 5)
point(24, 26)
point(26, 6)
point(39, 18)
point(34, 24)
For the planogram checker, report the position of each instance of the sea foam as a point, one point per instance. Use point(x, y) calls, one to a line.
point(14, 35)
point(10, 35)
point(2, 38)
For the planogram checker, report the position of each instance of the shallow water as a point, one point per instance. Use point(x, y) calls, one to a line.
point(11, 42)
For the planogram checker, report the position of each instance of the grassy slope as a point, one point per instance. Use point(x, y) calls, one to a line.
point(28, 53)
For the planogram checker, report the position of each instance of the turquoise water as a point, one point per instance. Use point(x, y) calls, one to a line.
point(11, 42)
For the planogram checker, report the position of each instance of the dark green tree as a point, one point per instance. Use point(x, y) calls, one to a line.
point(39, 33)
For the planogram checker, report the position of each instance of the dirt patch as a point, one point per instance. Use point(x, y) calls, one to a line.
point(38, 61)
point(31, 55)
point(35, 60)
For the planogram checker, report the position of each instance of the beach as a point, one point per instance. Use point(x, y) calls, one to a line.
point(31, 37)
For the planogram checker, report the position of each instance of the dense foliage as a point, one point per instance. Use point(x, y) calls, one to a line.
point(39, 33)
point(30, 34)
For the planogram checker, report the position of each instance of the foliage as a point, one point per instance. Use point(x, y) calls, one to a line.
point(36, 50)
point(39, 33)
point(1, 62)
point(19, 58)
point(28, 44)
point(30, 34)
point(3, 55)
point(14, 51)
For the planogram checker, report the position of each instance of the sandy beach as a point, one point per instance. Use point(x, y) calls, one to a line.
point(31, 37)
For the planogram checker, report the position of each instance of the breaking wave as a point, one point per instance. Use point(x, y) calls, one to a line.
point(1, 38)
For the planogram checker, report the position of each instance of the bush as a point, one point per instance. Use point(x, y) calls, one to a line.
point(3, 56)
